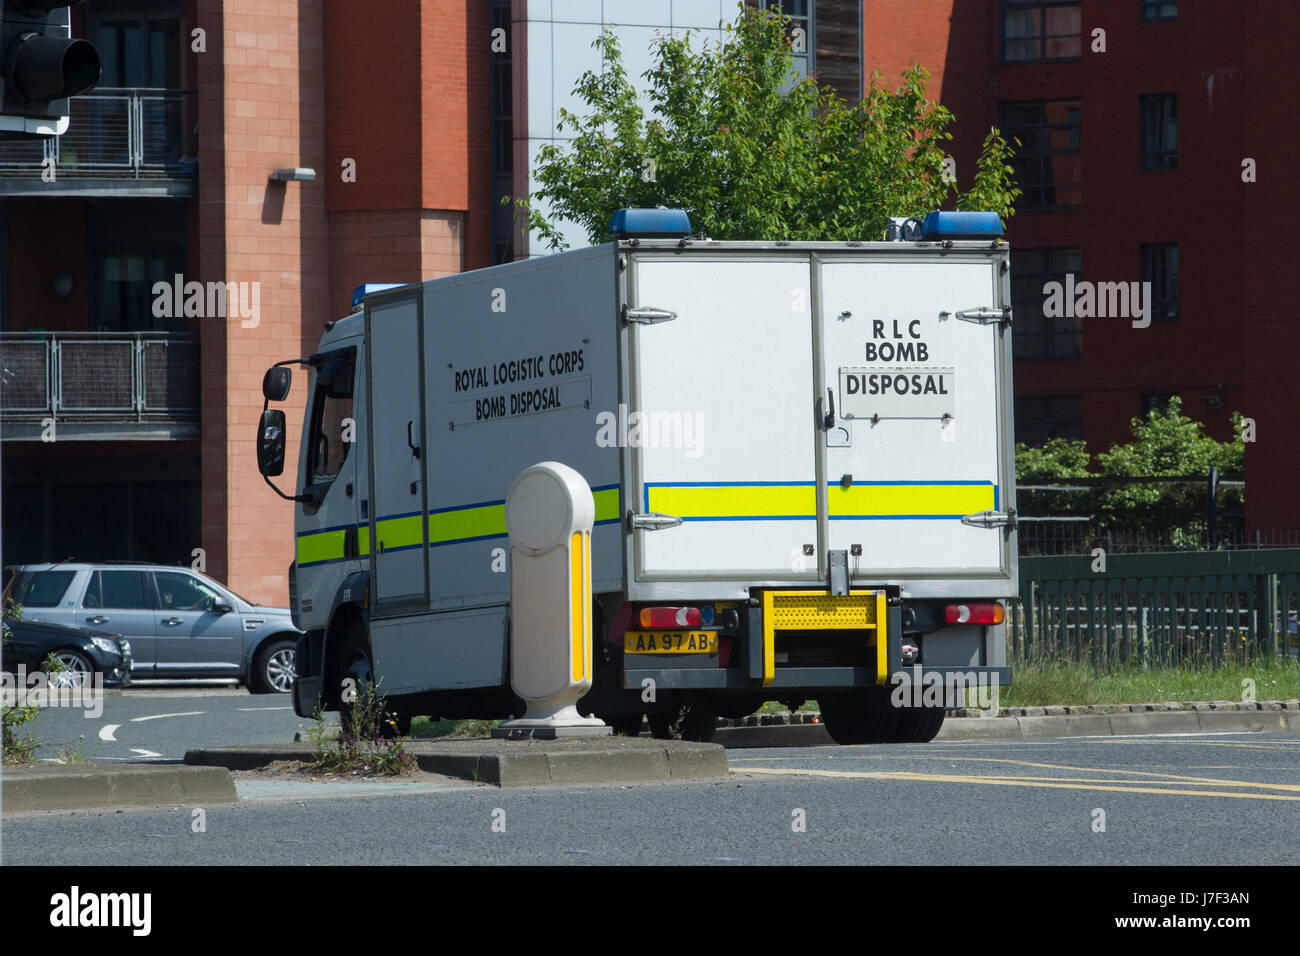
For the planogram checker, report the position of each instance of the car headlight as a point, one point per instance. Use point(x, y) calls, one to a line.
point(105, 644)
point(125, 645)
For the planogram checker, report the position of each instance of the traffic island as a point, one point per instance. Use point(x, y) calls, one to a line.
point(519, 763)
point(96, 786)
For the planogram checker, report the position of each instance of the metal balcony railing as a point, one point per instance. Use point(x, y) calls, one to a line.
point(115, 133)
point(116, 377)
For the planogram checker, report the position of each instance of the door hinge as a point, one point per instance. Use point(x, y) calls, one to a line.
point(983, 316)
point(992, 519)
point(647, 315)
point(654, 521)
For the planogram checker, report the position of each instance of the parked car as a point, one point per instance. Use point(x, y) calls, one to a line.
point(82, 652)
point(181, 624)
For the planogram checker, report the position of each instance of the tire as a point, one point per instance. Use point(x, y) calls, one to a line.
point(273, 668)
point(695, 723)
point(355, 663)
point(918, 725)
point(860, 718)
point(625, 725)
point(78, 670)
point(700, 724)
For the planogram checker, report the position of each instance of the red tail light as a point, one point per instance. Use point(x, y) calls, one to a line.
point(670, 617)
point(991, 613)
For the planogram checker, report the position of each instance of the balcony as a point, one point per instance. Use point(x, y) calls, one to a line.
point(99, 386)
point(120, 142)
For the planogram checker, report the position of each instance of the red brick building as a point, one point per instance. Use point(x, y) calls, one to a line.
point(128, 427)
point(1137, 119)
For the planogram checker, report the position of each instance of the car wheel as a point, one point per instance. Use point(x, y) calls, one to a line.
point(77, 669)
point(273, 672)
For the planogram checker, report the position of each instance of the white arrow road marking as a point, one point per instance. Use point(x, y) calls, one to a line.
point(144, 753)
point(106, 732)
point(188, 713)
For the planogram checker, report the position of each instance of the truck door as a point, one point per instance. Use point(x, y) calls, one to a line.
point(719, 425)
point(911, 355)
point(395, 424)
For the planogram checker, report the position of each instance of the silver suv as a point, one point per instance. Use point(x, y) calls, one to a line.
point(181, 624)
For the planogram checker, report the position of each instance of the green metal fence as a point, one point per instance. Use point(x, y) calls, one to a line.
point(1184, 608)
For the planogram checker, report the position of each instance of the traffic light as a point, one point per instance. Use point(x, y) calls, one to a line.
point(41, 65)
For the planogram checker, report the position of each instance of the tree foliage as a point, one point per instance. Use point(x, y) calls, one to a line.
point(750, 150)
point(1165, 443)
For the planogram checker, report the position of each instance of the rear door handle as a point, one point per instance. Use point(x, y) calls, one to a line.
point(97, 619)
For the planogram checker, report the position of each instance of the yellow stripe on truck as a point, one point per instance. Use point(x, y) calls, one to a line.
point(759, 502)
point(891, 501)
point(322, 546)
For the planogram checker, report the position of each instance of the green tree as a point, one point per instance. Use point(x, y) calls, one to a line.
point(750, 150)
point(1169, 444)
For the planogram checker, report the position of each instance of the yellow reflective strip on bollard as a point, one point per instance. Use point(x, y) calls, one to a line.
point(577, 650)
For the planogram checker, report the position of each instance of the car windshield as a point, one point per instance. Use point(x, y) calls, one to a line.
point(224, 587)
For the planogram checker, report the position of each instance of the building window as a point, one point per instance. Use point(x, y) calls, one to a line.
point(1160, 268)
point(1035, 335)
point(1040, 30)
point(1159, 9)
point(1160, 131)
point(798, 30)
point(501, 76)
point(1048, 161)
point(1040, 418)
point(1155, 402)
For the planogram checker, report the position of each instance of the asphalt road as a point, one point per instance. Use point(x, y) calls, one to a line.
point(1206, 799)
point(157, 724)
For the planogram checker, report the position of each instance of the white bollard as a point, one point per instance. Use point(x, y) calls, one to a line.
point(549, 515)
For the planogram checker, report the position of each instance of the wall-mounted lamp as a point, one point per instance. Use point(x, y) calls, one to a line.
point(299, 174)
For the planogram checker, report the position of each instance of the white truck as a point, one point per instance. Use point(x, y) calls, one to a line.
point(801, 456)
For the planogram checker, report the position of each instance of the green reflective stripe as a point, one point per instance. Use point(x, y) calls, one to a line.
point(400, 532)
point(458, 524)
point(607, 504)
point(478, 522)
point(322, 546)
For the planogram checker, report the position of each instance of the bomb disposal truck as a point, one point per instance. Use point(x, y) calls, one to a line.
point(800, 453)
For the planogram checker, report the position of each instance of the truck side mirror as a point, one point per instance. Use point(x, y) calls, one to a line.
point(270, 442)
point(276, 383)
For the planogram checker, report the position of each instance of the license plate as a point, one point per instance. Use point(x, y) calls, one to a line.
point(670, 642)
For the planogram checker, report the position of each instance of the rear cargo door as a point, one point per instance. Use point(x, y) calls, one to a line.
point(397, 510)
point(719, 424)
point(911, 351)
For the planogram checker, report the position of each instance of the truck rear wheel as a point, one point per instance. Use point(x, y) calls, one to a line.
point(863, 717)
point(918, 725)
point(695, 723)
